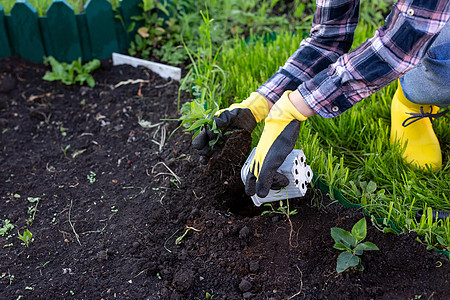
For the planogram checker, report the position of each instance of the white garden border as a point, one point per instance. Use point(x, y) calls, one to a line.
point(162, 70)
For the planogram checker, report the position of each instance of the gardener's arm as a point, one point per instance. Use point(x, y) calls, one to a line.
point(331, 36)
point(396, 47)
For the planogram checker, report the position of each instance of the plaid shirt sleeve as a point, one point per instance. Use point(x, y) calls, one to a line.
point(331, 36)
point(396, 47)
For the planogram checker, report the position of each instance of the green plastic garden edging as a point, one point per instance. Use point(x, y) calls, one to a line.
point(96, 32)
point(324, 188)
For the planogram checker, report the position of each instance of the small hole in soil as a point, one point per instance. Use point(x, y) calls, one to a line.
point(301, 159)
point(296, 162)
point(296, 181)
point(303, 186)
point(309, 174)
point(296, 172)
point(237, 202)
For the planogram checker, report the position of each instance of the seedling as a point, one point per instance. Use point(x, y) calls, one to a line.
point(32, 209)
point(196, 117)
point(7, 226)
point(69, 74)
point(64, 150)
point(174, 181)
point(63, 131)
point(10, 276)
point(91, 177)
point(283, 210)
point(27, 237)
point(180, 238)
point(351, 245)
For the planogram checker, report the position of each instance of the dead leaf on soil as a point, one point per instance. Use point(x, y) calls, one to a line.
point(143, 31)
point(130, 81)
point(34, 97)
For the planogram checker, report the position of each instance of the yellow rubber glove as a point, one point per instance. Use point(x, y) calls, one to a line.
point(244, 115)
point(277, 141)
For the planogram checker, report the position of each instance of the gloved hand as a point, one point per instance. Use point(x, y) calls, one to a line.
point(244, 115)
point(277, 141)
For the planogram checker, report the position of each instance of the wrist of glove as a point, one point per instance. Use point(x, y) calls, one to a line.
point(278, 139)
point(244, 115)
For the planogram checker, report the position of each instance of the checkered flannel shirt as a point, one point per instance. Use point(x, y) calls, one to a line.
point(332, 80)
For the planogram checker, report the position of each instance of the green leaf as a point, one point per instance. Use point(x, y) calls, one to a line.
point(197, 109)
point(90, 81)
point(342, 236)
point(359, 230)
point(346, 260)
point(367, 246)
point(27, 237)
point(91, 66)
point(355, 189)
point(50, 76)
point(76, 66)
point(131, 27)
point(389, 230)
point(371, 187)
point(196, 125)
point(57, 68)
point(341, 246)
point(162, 8)
point(33, 199)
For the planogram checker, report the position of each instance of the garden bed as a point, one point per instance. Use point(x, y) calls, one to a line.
point(111, 209)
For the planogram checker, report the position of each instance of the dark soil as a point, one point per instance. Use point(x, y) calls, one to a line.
point(123, 232)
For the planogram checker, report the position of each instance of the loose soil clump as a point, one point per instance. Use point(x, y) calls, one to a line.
point(126, 212)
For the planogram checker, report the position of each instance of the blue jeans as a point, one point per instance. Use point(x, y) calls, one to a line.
point(429, 82)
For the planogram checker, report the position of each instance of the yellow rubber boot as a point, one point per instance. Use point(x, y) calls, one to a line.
point(422, 144)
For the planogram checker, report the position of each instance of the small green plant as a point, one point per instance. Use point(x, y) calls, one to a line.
point(72, 73)
point(63, 131)
point(7, 226)
point(32, 209)
point(181, 237)
point(194, 116)
point(10, 276)
point(91, 177)
point(204, 81)
point(26, 238)
point(434, 233)
point(64, 150)
point(209, 296)
point(351, 245)
point(283, 210)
